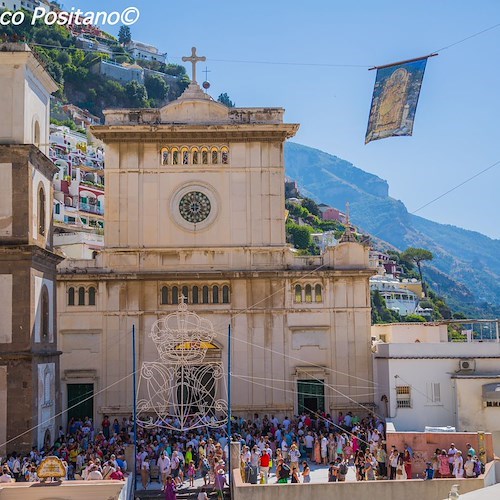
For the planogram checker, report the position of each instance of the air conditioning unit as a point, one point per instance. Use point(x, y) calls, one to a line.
point(467, 364)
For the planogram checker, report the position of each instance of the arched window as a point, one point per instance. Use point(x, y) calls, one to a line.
point(92, 293)
point(46, 387)
point(309, 297)
point(225, 294)
point(318, 293)
point(41, 211)
point(175, 156)
point(185, 156)
point(36, 134)
point(58, 209)
point(44, 327)
point(164, 156)
point(225, 156)
point(298, 293)
point(195, 156)
point(205, 295)
point(215, 295)
point(204, 156)
point(164, 295)
point(81, 296)
point(215, 156)
point(175, 295)
point(185, 292)
point(71, 296)
point(195, 295)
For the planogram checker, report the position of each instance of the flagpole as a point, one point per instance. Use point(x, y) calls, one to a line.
point(434, 54)
point(135, 406)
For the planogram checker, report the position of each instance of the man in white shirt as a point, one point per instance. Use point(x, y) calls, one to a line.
point(6, 477)
point(94, 474)
point(261, 444)
point(451, 457)
point(255, 457)
point(164, 465)
point(294, 456)
point(284, 449)
point(309, 440)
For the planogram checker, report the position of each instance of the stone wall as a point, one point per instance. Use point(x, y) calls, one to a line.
point(415, 489)
point(425, 443)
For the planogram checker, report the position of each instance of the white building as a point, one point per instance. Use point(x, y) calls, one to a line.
point(29, 5)
point(144, 51)
point(397, 295)
point(78, 192)
point(431, 382)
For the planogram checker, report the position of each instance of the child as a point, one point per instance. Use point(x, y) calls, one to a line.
point(191, 472)
point(429, 471)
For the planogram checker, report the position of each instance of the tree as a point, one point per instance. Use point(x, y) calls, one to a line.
point(417, 256)
point(301, 235)
point(225, 99)
point(413, 318)
point(157, 87)
point(312, 206)
point(124, 35)
point(136, 94)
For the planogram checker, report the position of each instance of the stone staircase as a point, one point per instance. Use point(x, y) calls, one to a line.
point(184, 493)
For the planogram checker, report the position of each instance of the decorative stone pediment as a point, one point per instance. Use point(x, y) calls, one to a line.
point(194, 106)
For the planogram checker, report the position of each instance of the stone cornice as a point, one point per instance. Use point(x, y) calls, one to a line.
point(175, 133)
point(72, 275)
point(35, 252)
point(15, 355)
point(13, 153)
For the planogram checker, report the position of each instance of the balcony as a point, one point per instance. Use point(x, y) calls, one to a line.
point(93, 209)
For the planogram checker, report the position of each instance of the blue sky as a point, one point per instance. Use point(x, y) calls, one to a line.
point(456, 132)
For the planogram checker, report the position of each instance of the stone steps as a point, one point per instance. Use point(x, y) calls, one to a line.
point(184, 493)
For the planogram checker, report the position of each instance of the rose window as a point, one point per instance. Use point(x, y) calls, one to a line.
point(194, 207)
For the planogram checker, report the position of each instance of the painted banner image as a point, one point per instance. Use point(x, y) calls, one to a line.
point(394, 101)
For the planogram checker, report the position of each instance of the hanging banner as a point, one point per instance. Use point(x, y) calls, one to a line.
point(395, 98)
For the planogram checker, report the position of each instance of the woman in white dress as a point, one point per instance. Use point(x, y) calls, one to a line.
point(458, 465)
point(400, 468)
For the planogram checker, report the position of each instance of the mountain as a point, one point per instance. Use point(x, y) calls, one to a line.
point(466, 265)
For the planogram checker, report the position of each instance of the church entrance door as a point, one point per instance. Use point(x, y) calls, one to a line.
point(80, 395)
point(196, 390)
point(311, 396)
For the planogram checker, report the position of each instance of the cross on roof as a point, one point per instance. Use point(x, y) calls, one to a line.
point(193, 60)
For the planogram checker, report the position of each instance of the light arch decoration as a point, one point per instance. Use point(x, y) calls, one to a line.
point(182, 391)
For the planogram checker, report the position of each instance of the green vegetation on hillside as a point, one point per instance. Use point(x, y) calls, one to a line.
point(71, 68)
point(303, 221)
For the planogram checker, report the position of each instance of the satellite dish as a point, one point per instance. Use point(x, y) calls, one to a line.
point(206, 85)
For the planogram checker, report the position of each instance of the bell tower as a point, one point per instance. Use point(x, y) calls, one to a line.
point(29, 361)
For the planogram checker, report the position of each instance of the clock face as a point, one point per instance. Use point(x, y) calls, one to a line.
point(194, 207)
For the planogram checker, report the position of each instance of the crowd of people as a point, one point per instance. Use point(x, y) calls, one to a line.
point(293, 444)
point(272, 449)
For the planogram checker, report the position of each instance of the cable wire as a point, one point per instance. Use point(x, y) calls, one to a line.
point(457, 186)
point(467, 38)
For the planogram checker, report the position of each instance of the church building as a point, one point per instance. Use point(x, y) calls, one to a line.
point(195, 214)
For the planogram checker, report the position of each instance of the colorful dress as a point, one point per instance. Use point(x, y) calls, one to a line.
point(444, 468)
point(317, 451)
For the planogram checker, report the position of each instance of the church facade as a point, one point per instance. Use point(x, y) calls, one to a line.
point(196, 214)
